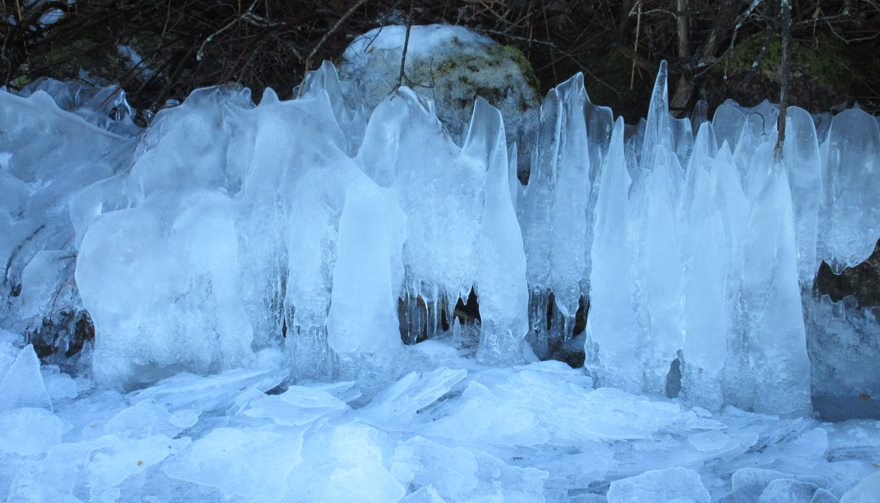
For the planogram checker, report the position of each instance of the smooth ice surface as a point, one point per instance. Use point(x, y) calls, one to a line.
point(368, 274)
point(22, 386)
point(673, 484)
point(868, 491)
point(850, 155)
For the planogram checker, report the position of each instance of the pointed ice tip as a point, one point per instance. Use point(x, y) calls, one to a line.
point(575, 84)
point(328, 67)
point(270, 97)
point(414, 100)
point(660, 84)
point(486, 128)
point(23, 384)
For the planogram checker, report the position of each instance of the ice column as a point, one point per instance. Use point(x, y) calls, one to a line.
point(612, 344)
point(557, 210)
point(773, 324)
point(501, 274)
point(406, 149)
point(706, 262)
point(570, 155)
point(802, 162)
point(367, 274)
point(658, 270)
point(850, 158)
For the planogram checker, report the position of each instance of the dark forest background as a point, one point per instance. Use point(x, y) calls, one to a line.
point(716, 49)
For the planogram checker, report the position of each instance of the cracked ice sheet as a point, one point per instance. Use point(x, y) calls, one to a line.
point(438, 427)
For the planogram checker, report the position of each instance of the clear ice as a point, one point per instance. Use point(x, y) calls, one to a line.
point(277, 294)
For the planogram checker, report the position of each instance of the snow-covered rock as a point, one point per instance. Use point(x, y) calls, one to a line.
point(453, 66)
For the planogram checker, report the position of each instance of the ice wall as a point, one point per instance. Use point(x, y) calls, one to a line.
point(54, 141)
point(300, 233)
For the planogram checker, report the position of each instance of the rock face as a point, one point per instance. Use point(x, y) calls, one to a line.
point(845, 334)
point(453, 66)
point(862, 281)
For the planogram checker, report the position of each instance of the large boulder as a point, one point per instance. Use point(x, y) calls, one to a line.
point(453, 66)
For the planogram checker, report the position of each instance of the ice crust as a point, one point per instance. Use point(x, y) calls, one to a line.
point(251, 269)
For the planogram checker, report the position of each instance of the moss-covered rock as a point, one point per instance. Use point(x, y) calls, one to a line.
point(825, 72)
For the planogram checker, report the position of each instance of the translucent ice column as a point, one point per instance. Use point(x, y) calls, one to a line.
point(778, 371)
point(501, 272)
point(612, 344)
point(850, 158)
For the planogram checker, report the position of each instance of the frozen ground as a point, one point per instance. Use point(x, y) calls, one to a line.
point(434, 427)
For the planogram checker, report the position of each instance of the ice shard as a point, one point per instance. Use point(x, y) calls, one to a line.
point(501, 274)
point(803, 163)
point(658, 269)
point(23, 386)
point(706, 263)
point(612, 344)
point(345, 99)
point(773, 325)
point(658, 125)
point(539, 198)
point(570, 154)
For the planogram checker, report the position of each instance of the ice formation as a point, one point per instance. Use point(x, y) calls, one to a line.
point(253, 272)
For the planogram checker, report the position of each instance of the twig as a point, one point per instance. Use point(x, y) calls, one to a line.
point(547, 28)
point(331, 31)
point(402, 75)
point(739, 22)
point(568, 55)
point(632, 75)
point(201, 53)
point(785, 16)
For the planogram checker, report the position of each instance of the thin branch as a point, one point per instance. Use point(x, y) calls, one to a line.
point(201, 53)
point(573, 58)
point(739, 22)
point(632, 75)
point(402, 76)
point(785, 17)
point(331, 32)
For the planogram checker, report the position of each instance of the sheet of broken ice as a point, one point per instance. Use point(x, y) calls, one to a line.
point(440, 427)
